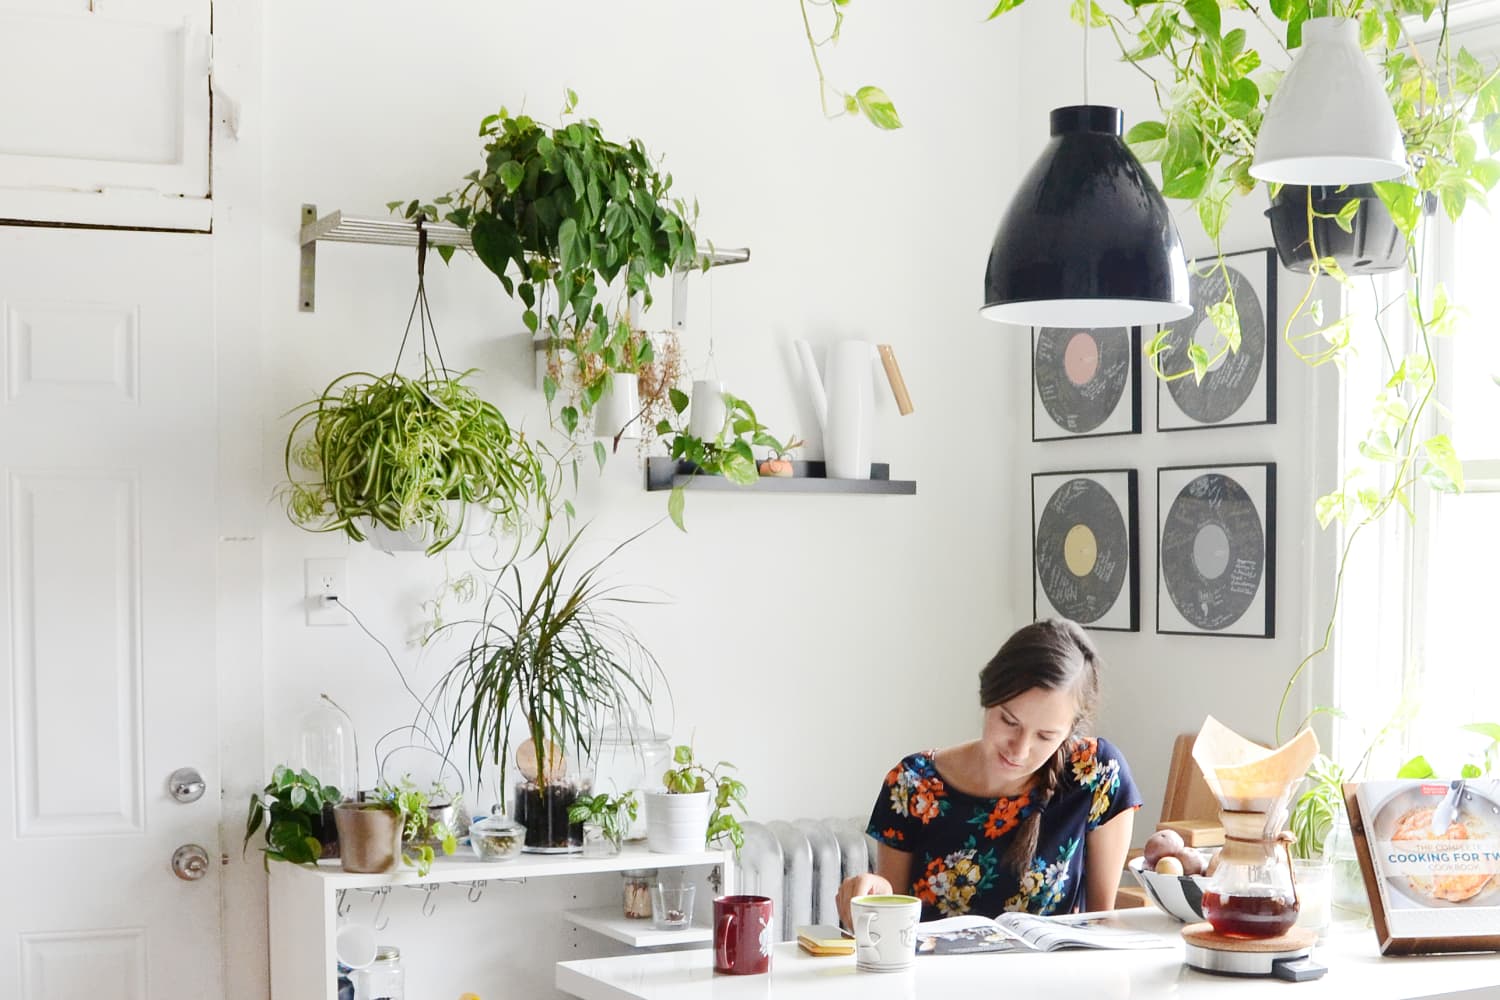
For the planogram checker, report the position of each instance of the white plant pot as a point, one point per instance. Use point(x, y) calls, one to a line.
point(848, 436)
point(618, 406)
point(477, 524)
point(676, 824)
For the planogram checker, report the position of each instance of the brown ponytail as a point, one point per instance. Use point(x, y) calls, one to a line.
point(1055, 655)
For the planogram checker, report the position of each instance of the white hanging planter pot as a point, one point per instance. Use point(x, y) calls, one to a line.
point(676, 823)
point(477, 523)
point(619, 406)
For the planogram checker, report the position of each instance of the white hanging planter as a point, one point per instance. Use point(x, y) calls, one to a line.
point(676, 823)
point(619, 406)
point(478, 523)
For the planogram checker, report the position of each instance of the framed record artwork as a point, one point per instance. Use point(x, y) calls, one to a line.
point(1216, 550)
point(1240, 388)
point(1085, 383)
point(1085, 548)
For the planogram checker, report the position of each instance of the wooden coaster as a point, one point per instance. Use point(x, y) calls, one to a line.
point(1204, 936)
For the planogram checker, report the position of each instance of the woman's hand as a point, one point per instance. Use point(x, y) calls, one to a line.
point(860, 885)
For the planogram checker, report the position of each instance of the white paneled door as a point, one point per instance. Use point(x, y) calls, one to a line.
point(107, 544)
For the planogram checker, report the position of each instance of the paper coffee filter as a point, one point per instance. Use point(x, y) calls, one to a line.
point(1246, 775)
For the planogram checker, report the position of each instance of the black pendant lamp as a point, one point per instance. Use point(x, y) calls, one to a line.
point(1087, 240)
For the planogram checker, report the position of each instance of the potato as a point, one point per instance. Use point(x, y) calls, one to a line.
point(1169, 865)
point(1160, 844)
point(1194, 861)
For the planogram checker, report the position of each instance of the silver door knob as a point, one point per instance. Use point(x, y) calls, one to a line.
point(190, 862)
point(185, 785)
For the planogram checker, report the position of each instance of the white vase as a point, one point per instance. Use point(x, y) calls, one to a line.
point(619, 406)
point(706, 412)
point(848, 435)
point(477, 523)
point(676, 823)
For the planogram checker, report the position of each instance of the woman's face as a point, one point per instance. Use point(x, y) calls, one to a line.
point(1020, 734)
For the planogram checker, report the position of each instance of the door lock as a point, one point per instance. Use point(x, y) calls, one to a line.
point(186, 785)
point(190, 862)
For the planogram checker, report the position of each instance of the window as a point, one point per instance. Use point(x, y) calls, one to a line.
point(1421, 603)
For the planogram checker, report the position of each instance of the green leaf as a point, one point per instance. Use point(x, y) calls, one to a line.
point(600, 454)
point(1148, 140)
point(1199, 358)
point(549, 387)
point(1442, 456)
point(1205, 16)
point(570, 418)
point(1183, 170)
point(511, 175)
point(679, 400)
point(1345, 216)
point(1417, 767)
point(675, 501)
point(1470, 772)
point(877, 107)
point(1490, 729)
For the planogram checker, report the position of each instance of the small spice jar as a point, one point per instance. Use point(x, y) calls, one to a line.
point(638, 885)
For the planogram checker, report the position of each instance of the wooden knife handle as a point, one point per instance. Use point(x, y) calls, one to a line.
point(893, 375)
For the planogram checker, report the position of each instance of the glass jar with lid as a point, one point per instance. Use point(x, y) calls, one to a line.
point(630, 757)
point(382, 979)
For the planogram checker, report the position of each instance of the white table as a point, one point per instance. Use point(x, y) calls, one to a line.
point(1356, 971)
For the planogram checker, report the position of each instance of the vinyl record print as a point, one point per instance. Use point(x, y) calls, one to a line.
point(1216, 551)
point(1085, 383)
point(1240, 386)
point(1084, 548)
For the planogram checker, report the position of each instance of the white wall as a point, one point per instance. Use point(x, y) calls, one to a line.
point(1160, 685)
point(811, 640)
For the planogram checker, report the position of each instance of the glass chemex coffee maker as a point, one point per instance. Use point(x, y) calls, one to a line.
point(1251, 901)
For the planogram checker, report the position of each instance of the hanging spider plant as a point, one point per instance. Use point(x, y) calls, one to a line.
point(418, 456)
point(549, 662)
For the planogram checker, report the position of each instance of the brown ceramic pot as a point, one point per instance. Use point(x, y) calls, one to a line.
point(369, 837)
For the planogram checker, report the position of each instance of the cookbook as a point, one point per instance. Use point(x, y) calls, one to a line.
point(1026, 932)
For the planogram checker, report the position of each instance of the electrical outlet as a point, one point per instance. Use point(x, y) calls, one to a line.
point(326, 579)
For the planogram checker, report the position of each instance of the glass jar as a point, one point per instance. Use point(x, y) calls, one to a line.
point(638, 885)
point(596, 843)
point(630, 757)
point(382, 979)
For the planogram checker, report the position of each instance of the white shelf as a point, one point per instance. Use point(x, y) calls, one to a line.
point(609, 921)
point(464, 867)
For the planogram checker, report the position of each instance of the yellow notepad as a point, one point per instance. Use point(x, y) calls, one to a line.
point(824, 939)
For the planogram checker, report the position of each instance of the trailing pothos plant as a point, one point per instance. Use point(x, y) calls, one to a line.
point(727, 454)
point(727, 793)
point(558, 213)
point(1212, 88)
point(290, 807)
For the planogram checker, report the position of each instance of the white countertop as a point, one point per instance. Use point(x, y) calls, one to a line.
point(1356, 971)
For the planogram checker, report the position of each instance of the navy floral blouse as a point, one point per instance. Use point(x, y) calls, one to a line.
point(958, 841)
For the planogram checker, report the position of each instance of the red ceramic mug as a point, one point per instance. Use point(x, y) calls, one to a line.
point(743, 935)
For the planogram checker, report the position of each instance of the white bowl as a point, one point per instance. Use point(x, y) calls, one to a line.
point(1179, 895)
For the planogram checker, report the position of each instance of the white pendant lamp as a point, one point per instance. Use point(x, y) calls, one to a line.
point(1330, 122)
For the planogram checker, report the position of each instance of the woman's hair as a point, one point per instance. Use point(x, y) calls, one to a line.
point(1055, 655)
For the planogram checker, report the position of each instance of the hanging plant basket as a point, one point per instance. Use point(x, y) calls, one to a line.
point(411, 462)
point(1373, 246)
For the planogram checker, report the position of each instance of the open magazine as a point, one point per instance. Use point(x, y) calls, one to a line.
point(1026, 932)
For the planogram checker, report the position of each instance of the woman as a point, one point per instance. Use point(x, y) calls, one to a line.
point(1033, 815)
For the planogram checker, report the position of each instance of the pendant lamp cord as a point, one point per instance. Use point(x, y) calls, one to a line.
point(1086, 7)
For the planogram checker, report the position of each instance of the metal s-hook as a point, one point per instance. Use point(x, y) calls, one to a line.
point(476, 889)
point(381, 895)
point(343, 903)
point(429, 901)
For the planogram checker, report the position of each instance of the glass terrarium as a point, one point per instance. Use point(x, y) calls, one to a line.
point(542, 795)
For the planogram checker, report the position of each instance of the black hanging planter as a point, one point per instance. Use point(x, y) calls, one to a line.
point(1375, 245)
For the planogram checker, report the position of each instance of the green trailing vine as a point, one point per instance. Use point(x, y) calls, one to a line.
point(729, 453)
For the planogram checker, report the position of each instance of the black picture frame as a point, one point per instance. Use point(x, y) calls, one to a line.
point(1217, 500)
point(1092, 598)
point(1255, 270)
point(1117, 349)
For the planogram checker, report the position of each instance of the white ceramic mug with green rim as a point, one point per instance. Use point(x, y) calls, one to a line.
point(885, 932)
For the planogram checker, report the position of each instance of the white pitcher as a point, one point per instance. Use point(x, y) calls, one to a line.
point(844, 401)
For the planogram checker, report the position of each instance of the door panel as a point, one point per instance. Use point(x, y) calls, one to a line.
point(108, 440)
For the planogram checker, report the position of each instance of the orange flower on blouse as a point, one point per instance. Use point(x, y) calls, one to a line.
point(925, 798)
point(1005, 817)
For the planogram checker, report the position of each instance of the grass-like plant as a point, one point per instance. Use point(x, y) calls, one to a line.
point(394, 450)
point(549, 659)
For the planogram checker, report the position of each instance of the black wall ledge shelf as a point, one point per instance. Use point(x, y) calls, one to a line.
point(807, 477)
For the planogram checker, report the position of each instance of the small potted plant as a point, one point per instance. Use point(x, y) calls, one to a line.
point(296, 812)
point(421, 828)
point(696, 807)
point(605, 818)
point(779, 463)
point(729, 453)
point(369, 834)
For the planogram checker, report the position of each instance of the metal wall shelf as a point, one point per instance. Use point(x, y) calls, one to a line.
point(807, 477)
point(336, 227)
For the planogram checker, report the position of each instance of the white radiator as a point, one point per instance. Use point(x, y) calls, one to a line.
point(800, 865)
